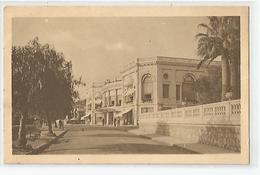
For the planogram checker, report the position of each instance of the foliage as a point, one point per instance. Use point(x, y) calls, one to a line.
point(208, 88)
point(221, 38)
point(42, 82)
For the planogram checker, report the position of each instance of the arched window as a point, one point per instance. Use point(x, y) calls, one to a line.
point(147, 87)
point(188, 93)
point(98, 100)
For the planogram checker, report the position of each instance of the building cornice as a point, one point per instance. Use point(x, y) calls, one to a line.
point(173, 61)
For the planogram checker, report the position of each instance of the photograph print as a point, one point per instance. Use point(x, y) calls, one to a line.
point(127, 85)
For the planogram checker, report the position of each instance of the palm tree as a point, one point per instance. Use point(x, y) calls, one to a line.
point(220, 39)
point(211, 45)
point(232, 25)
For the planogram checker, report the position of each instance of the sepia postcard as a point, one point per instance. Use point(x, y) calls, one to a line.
point(126, 84)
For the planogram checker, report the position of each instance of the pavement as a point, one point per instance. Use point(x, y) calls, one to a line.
point(179, 142)
point(82, 139)
point(108, 140)
point(45, 141)
point(41, 143)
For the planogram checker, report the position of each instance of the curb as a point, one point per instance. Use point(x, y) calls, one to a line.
point(181, 147)
point(145, 137)
point(173, 145)
point(140, 135)
point(44, 146)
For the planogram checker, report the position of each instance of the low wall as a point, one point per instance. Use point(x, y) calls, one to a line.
point(30, 129)
point(216, 124)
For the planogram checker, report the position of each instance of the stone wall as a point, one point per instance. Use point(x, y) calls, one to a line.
point(215, 124)
point(227, 137)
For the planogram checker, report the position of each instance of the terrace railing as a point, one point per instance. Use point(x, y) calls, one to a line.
point(224, 113)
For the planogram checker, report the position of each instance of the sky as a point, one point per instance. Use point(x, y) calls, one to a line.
point(99, 47)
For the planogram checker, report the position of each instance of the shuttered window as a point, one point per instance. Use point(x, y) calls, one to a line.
point(166, 88)
point(178, 92)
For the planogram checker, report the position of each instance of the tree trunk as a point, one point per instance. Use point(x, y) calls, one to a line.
point(238, 80)
point(225, 77)
point(50, 131)
point(21, 140)
point(235, 76)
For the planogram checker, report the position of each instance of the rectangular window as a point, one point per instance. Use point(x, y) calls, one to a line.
point(147, 97)
point(143, 110)
point(129, 99)
point(105, 104)
point(112, 92)
point(112, 103)
point(146, 109)
point(119, 92)
point(178, 92)
point(166, 88)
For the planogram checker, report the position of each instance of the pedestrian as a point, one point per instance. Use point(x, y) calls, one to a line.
point(60, 124)
point(55, 124)
point(41, 122)
point(118, 122)
point(115, 122)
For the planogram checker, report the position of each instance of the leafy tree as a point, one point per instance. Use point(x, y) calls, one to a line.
point(58, 95)
point(221, 38)
point(42, 83)
point(26, 68)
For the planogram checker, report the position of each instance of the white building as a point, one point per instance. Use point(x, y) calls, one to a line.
point(146, 85)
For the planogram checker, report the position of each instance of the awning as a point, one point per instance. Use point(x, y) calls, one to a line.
point(107, 109)
point(129, 91)
point(87, 115)
point(98, 101)
point(83, 118)
point(120, 114)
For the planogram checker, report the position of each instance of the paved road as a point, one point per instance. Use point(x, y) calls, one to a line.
point(104, 140)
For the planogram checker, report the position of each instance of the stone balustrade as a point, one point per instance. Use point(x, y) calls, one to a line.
point(223, 113)
point(216, 124)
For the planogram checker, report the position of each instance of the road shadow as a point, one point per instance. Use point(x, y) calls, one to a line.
point(92, 128)
point(135, 148)
point(61, 141)
point(130, 148)
point(114, 135)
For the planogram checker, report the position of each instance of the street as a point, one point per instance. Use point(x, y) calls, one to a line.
point(106, 140)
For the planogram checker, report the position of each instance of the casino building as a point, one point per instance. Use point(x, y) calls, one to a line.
point(146, 85)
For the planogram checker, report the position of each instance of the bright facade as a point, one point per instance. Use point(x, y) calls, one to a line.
point(146, 85)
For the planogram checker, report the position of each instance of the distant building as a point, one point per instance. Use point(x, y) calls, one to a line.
point(80, 108)
point(104, 102)
point(146, 85)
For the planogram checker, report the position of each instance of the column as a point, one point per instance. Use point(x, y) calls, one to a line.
point(109, 98)
point(116, 101)
point(107, 118)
